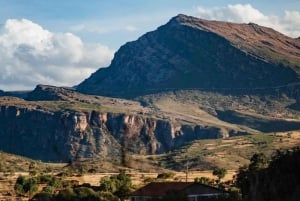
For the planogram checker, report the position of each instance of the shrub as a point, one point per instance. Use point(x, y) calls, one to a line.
point(166, 175)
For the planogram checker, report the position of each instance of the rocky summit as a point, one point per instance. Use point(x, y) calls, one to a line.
point(192, 53)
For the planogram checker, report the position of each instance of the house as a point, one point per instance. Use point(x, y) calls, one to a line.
point(193, 191)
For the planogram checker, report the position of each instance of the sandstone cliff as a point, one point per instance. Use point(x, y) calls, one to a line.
point(30, 130)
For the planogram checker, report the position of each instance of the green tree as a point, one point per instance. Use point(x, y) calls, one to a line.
point(67, 194)
point(258, 161)
point(119, 185)
point(124, 185)
point(220, 173)
point(108, 184)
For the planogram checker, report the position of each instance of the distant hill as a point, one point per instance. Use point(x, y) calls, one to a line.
point(192, 53)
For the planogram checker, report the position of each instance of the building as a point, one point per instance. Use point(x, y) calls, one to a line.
point(193, 191)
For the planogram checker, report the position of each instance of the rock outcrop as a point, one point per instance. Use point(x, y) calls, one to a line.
point(191, 53)
point(68, 135)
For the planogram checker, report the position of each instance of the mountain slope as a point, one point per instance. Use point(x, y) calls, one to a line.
point(189, 53)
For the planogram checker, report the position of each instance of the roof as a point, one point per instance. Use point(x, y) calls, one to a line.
point(158, 189)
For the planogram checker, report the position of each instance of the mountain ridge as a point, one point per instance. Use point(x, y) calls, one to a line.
point(239, 34)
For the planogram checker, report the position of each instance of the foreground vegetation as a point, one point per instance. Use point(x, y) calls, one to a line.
point(276, 180)
point(274, 177)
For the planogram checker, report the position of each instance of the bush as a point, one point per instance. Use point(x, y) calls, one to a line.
point(42, 197)
point(166, 175)
point(77, 194)
point(107, 196)
point(24, 185)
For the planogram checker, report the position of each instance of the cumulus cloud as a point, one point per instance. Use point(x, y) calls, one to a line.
point(288, 24)
point(31, 55)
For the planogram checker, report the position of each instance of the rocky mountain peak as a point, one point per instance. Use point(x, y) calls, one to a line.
point(193, 53)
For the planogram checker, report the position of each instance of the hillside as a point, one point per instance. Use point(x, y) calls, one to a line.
point(62, 125)
point(191, 53)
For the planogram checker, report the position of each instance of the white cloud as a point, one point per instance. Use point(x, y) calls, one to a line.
point(131, 28)
point(104, 28)
point(31, 55)
point(288, 24)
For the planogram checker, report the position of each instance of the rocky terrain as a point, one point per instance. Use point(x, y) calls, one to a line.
point(63, 125)
point(80, 126)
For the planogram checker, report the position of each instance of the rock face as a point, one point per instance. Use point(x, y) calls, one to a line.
point(69, 135)
point(50, 93)
point(191, 53)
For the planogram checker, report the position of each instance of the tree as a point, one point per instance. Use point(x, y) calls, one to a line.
point(278, 181)
point(120, 185)
point(124, 185)
point(258, 161)
point(67, 194)
point(220, 173)
point(108, 184)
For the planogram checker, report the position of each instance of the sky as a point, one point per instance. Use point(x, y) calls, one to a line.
point(61, 43)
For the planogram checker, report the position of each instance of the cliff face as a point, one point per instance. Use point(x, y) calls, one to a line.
point(68, 135)
point(189, 53)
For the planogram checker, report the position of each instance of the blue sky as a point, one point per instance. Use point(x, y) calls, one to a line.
point(63, 42)
point(62, 16)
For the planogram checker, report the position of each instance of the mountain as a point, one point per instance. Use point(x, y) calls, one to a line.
point(192, 53)
point(189, 80)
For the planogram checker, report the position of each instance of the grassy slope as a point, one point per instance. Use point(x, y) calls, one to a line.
point(230, 153)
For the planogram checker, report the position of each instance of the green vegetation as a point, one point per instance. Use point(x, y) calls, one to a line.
point(276, 180)
point(262, 176)
point(114, 188)
point(119, 185)
point(26, 186)
point(220, 173)
point(166, 175)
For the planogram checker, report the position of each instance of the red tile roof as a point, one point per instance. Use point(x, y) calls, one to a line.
point(156, 189)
